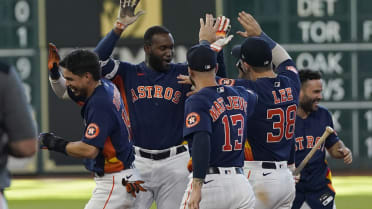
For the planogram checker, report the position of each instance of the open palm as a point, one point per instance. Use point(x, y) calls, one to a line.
point(126, 12)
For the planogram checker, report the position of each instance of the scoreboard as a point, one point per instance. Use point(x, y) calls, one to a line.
point(335, 37)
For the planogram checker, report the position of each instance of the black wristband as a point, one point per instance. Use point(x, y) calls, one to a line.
point(54, 72)
point(60, 145)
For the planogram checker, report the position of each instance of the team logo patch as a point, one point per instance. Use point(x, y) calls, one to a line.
point(291, 68)
point(192, 119)
point(92, 131)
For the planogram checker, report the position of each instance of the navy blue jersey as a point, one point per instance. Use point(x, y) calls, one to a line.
point(308, 132)
point(106, 128)
point(271, 127)
point(155, 100)
point(221, 111)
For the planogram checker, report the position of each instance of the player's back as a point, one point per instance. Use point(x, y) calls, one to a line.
point(271, 127)
point(226, 110)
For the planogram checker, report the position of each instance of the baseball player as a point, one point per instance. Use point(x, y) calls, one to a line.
point(315, 186)
point(105, 144)
point(269, 151)
point(17, 126)
point(215, 119)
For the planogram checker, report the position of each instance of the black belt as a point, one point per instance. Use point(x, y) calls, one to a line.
point(215, 170)
point(269, 165)
point(162, 155)
point(100, 174)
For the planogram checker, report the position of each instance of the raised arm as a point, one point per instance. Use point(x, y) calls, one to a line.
point(252, 28)
point(125, 18)
point(57, 82)
point(216, 33)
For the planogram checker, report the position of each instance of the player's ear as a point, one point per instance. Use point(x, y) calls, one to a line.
point(245, 67)
point(147, 48)
point(87, 75)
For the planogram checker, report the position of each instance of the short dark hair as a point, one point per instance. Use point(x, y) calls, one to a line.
point(82, 61)
point(307, 74)
point(150, 32)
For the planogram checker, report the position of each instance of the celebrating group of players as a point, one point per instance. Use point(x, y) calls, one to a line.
point(245, 136)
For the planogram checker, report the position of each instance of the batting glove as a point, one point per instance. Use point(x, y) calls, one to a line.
point(224, 27)
point(220, 43)
point(126, 14)
point(53, 61)
point(189, 165)
point(133, 187)
point(52, 142)
point(222, 34)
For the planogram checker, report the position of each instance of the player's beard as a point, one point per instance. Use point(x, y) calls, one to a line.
point(157, 63)
point(81, 93)
point(308, 104)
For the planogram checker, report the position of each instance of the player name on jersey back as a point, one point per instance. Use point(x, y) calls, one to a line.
point(285, 95)
point(219, 106)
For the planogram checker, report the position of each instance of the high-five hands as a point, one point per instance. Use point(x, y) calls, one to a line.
point(252, 28)
point(208, 29)
point(126, 14)
point(222, 34)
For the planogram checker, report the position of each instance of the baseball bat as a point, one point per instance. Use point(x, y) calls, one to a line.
point(326, 133)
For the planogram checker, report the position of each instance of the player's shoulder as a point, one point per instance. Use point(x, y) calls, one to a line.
point(203, 95)
point(233, 82)
point(179, 67)
point(103, 95)
point(4, 68)
point(288, 66)
point(322, 112)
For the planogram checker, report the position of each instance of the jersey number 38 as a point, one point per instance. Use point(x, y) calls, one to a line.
point(285, 125)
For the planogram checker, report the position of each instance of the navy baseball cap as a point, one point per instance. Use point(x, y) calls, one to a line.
point(254, 51)
point(201, 58)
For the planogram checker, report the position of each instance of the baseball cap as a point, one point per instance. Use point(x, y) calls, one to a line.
point(254, 51)
point(201, 58)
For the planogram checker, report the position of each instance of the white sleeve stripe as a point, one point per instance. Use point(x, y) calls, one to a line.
point(104, 63)
point(114, 71)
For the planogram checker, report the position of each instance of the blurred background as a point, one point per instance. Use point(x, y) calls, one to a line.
point(333, 36)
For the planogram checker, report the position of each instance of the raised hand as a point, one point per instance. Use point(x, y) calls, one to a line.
point(252, 28)
point(126, 14)
point(222, 34)
point(208, 28)
point(224, 27)
point(53, 56)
